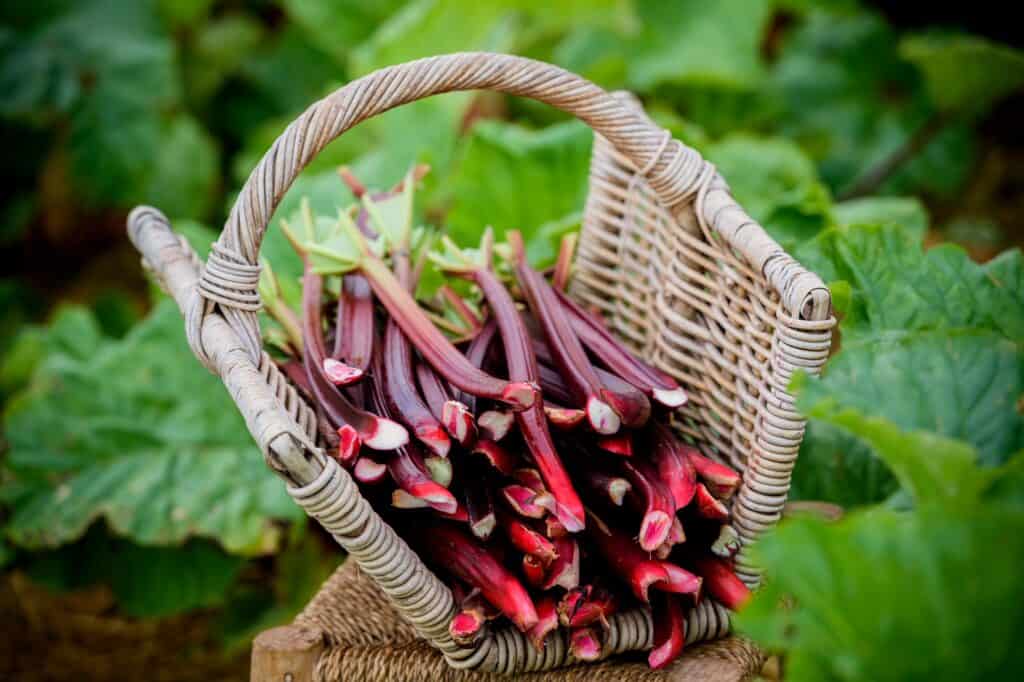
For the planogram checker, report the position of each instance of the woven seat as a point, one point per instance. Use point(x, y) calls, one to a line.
point(677, 268)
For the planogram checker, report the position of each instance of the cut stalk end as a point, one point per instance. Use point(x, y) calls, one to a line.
point(654, 530)
point(602, 417)
point(341, 374)
point(386, 435)
point(521, 395)
point(369, 471)
point(348, 445)
point(458, 421)
point(673, 398)
point(495, 424)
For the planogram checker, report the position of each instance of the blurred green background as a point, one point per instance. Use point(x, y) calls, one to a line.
point(137, 521)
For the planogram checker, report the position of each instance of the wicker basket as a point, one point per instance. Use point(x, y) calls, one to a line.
point(679, 270)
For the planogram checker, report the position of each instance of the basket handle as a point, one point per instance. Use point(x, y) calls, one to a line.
point(232, 272)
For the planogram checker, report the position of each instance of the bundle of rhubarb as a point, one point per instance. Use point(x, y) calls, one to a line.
point(518, 447)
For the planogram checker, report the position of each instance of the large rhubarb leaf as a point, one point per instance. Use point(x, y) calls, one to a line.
point(908, 213)
point(938, 584)
point(513, 178)
point(138, 433)
point(776, 183)
point(699, 43)
point(929, 339)
point(899, 286)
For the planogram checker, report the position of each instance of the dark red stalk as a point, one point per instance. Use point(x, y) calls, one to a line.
point(721, 583)
point(627, 560)
point(610, 351)
point(709, 507)
point(526, 539)
point(476, 355)
point(457, 552)
point(586, 605)
point(660, 508)
point(632, 405)
point(522, 366)
point(533, 570)
point(565, 347)
point(564, 571)
point(620, 444)
point(680, 581)
point(547, 621)
point(611, 488)
point(458, 421)
point(376, 432)
point(435, 347)
point(674, 467)
point(340, 374)
point(669, 631)
point(479, 502)
point(722, 481)
point(460, 514)
point(432, 388)
point(497, 456)
point(403, 400)
point(527, 503)
point(411, 475)
point(584, 644)
point(354, 326)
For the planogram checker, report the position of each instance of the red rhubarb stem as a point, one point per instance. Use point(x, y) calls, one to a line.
point(659, 505)
point(435, 347)
point(722, 583)
point(522, 366)
point(669, 631)
point(376, 432)
point(565, 347)
point(619, 359)
point(457, 552)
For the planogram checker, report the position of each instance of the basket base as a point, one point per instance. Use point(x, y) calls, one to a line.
point(367, 640)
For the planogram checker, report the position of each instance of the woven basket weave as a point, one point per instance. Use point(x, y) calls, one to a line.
point(678, 269)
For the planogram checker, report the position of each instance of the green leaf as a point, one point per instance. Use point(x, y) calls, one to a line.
point(898, 286)
point(425, 28)
point(841, 90)
point(942, 589)
point(513, 178)
point(108, 67)
point(140, 434)
point(186, 171)
point(692, 42)
point(776, 183)
point(217, 52)
point(335, 25)
point(72, 330)
point(961, 384)
point(964, 73)
point(907, 213)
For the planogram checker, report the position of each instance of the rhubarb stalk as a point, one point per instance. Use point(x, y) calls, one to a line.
point(669, 631)
point(458, 553)
point(522, 367)
point(565, 346)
